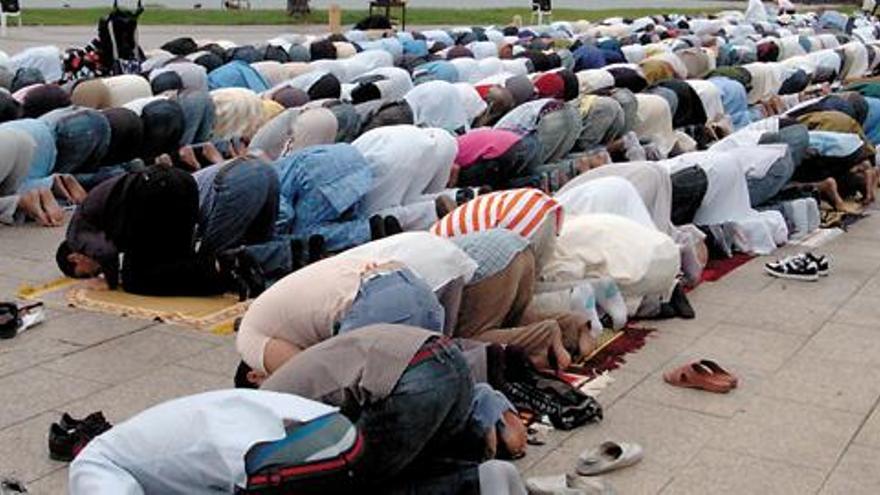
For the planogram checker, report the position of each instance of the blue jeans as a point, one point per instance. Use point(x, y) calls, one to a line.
point(398, 296)
point(245, 202)
point(82, 138)
point(426, 417)
point(198, 117)
point(762, 190)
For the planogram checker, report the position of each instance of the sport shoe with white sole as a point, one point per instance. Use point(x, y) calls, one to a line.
point(793, 268)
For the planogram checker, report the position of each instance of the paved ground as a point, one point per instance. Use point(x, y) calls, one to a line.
point(363, 4)
point(150, 36)
point(804, 420)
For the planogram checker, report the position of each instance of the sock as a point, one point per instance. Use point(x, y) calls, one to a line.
point(377, 227)
point(392, 226)
point(583, 300)
point(611, 300)
point(680, 303)
point(316, 248)
point(296, 254)
point(495, 366)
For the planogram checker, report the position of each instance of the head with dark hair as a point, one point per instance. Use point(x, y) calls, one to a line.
point(62, 257)
point(243, 376)
point(73, 264)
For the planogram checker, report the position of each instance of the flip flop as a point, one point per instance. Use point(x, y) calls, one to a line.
point(694, 375)
point(720, 372)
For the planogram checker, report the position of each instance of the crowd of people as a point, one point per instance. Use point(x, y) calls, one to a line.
point(425, 220)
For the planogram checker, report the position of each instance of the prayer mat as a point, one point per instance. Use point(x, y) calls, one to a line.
point(215, 313)
point(831, 218)
point(718, 268)
point(611, 351)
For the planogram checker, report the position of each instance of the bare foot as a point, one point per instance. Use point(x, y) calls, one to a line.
point(561, 354)
point(59, 189)
point(77, 194)
point(211, 153)
point(444, 205)
point(188, 158)
point(164, 159)
point(513, 436)
point(30, 204)
point(51, 207)
point(586, 343)
point(239, 147)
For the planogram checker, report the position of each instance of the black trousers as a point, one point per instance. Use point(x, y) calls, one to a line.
point(689, 185)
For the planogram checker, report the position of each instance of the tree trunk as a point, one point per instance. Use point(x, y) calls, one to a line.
point(298, 7)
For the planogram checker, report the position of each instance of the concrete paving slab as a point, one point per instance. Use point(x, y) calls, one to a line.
point(729, 473)
point(785, 431)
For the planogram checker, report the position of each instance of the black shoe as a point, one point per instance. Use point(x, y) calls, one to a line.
point(65, 445)
point(8, 486)
point(95, 421)
point(297, 254)
point(823, 264)
point(251, 274)
point(392, 226)
point(797, 267)
point(680, 304)
point(317, 250)
point(464, 195)
point(377, 227)
point(243, 273)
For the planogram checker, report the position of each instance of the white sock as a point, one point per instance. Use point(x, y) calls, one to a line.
point(583, 300)
point(611, 300)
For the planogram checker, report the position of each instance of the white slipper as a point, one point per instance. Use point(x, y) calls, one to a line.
point(568, 484)
point(608, 457)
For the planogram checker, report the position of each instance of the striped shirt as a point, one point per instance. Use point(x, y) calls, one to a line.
point(519, 210)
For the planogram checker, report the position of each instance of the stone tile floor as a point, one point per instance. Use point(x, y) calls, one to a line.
point(804, 419)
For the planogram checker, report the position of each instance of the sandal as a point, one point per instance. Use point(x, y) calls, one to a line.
point(717, 370)
point(695, 375)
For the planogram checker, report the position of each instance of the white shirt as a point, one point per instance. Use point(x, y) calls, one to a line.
point(193, 445)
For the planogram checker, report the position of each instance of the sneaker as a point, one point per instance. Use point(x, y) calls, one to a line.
point(10, 486)
point(794, 268)
point(823, 264)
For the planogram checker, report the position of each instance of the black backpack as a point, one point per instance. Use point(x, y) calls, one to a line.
point(10, 6)
point(117, 40)
point(315, 458)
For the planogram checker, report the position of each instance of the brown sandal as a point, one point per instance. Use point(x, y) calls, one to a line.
point(720, 372)
point(694, 375)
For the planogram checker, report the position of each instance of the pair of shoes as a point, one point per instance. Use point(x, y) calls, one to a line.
point(803, 266)
point(381, 228)
point(703, 375)
point(243, 272)
point(70, 435)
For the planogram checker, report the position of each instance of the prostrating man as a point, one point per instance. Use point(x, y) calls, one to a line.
point(411, 394)
point(150, 218)
point(330, 297)
point(247, 442)
point(495, 304)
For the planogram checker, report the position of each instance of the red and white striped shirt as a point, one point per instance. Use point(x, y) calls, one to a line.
point(518, 210)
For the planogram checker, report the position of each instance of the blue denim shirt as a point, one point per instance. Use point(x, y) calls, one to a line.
point(320, 184)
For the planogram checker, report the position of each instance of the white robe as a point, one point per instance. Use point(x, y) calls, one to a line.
point(410, 167)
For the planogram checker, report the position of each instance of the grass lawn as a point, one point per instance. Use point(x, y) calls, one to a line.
point(159, 16)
